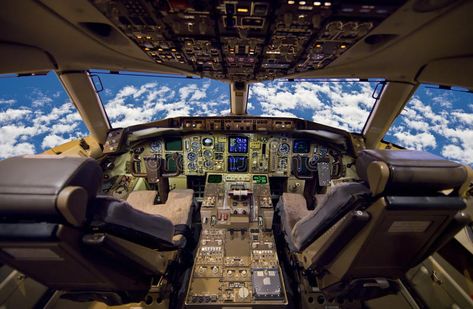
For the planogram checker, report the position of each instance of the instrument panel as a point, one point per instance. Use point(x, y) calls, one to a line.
point(276, 155)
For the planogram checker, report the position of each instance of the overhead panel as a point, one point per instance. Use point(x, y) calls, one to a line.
point(246, 40)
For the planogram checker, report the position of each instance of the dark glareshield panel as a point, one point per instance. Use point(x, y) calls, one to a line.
point(237, 164)
point(238, 144)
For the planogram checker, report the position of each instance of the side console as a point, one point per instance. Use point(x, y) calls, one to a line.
point(236, 262)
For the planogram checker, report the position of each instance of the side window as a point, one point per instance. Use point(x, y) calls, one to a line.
point(36, 114)
point(439, 121)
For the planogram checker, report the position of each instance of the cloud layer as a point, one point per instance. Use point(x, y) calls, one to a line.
point(344, 105)
point(140, 103)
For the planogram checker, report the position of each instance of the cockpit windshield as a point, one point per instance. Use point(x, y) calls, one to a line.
point(131, 99)
point(343, 104)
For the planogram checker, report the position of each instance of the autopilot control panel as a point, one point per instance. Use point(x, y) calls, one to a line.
point(237, 261)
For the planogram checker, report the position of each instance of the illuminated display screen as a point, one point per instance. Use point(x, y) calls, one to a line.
point(301, 146)
point(174, 144)
point(237, 164)
point(238, 144)
point(214, 179)
point(260, 179)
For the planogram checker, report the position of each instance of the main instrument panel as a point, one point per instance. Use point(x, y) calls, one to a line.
point(275, 155)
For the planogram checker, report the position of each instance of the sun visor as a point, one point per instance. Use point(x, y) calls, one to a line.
point(15, 58)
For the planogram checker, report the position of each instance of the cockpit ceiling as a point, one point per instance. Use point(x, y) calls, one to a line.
point(245, 40)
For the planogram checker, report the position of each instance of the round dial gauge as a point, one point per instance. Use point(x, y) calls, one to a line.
point(207, 153)
point(195, 145)
point(323, 151)
point(313, 161)
point(192, 166)
point(156, 146)
point(192, 156)
point(208, 164)
point(207, 141)
point(243, 292)
point(284, 149)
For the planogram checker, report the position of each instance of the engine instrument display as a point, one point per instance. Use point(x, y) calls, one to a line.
point(237, 164)
point(260, 179)
point(238, 144)
point(301, 146)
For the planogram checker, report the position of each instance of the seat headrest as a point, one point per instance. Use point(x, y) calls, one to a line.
point(409, 171)
point(47, 188)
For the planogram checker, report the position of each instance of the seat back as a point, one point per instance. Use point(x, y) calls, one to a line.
point(415, 207)
point(44, 231)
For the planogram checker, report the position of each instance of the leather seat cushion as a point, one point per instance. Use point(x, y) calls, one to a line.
point(178, 207)
point(292, 207)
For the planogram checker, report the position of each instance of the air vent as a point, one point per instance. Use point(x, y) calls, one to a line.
point(379, 39)
point(104, 32)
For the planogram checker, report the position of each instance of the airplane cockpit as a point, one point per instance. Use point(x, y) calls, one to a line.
point(237, 210)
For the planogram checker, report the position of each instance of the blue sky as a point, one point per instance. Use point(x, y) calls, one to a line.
point(36, 114)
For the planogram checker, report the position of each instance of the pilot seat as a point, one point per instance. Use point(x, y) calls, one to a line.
point(363, 236)
point(55, 229)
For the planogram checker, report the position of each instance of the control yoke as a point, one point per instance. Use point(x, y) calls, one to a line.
point(156, 171)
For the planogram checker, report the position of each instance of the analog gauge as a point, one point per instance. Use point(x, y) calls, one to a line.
point(284, 149)
point(156, 146)
point(313, 162)
point(207, 154)
point(195, 146)
point(192, 166)
point(208, 164)
point(207, 141)
point(191, 156)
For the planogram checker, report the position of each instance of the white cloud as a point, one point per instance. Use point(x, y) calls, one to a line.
point(13, 114)
point(40, 99)
point(7, 101)
point(418, 141)
point(52, 140)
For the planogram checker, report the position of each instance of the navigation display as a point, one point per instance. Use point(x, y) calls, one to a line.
point(237, 164)
point(238, 144)
point(301, 146)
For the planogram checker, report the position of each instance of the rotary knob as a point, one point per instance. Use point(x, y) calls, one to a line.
point(243, 292)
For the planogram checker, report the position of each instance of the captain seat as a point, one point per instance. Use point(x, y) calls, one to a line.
point(55, 229)
point(362, 236)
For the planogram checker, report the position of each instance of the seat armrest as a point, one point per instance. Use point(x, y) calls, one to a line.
point(144, 259)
